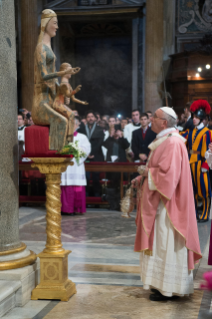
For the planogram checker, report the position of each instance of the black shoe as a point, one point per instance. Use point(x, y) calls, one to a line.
point(160, 297)
point(155, 291)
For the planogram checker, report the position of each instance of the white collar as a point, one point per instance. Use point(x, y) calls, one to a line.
point(163, 137)
point(144, 130)
point(166, 131)
point(201, 125)
point(150, 124)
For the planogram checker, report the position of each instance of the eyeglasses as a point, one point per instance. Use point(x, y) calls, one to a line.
point(156, 117)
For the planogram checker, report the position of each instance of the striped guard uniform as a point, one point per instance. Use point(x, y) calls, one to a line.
point(197, 144)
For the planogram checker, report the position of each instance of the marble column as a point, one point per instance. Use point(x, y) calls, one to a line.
point(141, 62)
point(29, 37)
point(9, 207)
point(135, 23)
point(154, 54)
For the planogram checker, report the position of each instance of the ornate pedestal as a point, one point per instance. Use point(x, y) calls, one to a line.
point(54, 282)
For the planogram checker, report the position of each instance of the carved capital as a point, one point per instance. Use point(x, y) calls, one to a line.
point(51, 165)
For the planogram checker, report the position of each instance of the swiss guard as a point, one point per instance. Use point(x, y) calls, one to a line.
point(198, 140)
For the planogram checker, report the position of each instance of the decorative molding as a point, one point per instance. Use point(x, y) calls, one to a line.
point(14, 251)
point(19, 263)
point(67, 4)
point(196, 15)
point(99, 29)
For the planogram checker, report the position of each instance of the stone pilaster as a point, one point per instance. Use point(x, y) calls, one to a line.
point(29, 36)
point(160, 43)
point(154, 54)
point(141, 62)
point(135, 23)
point(10, 245)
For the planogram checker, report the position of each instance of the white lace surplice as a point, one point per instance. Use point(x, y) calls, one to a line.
point(75, 175)
point(167, 270)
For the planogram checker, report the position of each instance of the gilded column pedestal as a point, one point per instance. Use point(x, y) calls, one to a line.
point(54, 282)
point(13, 253)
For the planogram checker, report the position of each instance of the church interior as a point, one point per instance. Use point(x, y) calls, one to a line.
point(134, 56)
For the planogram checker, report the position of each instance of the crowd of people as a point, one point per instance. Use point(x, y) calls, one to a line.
point(118, 139)
point(111, 139)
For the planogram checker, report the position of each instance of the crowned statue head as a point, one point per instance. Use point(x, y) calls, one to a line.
point(49, 24)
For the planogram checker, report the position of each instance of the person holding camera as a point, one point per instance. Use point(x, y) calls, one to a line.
point(116, 145)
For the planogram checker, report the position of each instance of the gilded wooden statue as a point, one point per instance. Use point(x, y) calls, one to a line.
point(66, 91)
point(46, 84)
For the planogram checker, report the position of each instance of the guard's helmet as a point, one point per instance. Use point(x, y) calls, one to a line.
point(200, 108)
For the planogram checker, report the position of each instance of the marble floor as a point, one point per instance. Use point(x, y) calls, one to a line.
point(106, 270)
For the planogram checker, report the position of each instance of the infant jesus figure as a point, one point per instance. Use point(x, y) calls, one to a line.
point(65, 91)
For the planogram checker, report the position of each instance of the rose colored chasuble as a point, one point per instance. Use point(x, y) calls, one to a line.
point(168, 207)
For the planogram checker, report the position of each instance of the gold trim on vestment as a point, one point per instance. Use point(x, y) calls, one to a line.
point(13, 251)
point(143, 250)
point(156, 187)
point(142, 190)
point(48, 15)
point(148, 252)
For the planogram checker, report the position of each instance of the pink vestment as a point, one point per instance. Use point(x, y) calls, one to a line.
point(170, 171)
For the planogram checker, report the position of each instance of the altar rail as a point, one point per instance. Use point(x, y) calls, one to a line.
point(101, 167)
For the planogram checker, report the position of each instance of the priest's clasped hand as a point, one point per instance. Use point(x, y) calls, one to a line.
point(134, 183)
point(145, 174)
point(143, 170)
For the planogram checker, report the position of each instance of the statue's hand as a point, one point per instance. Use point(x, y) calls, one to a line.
point(75, 70)
point(72, 70)
point(78, 88)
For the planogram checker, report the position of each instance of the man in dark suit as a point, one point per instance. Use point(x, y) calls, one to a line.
point(95, 135)
point(141, 138)
point(116, 145)
point(189, 123)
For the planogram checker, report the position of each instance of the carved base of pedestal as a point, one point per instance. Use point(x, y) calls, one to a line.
point(54, 282)
point(62, 292)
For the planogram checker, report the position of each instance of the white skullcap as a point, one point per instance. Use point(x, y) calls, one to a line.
point(169, 111)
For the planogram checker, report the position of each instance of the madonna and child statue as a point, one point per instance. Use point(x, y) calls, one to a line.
point(49, 96)
point(45, 144)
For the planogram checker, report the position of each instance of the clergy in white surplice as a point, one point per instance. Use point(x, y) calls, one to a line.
point(73, 180)
point(167, 236)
